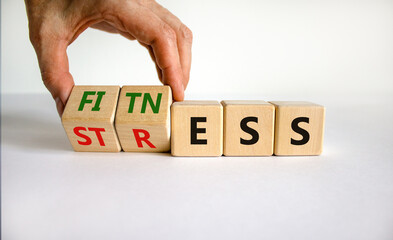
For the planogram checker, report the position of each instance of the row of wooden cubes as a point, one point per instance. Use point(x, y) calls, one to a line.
point(143, 119)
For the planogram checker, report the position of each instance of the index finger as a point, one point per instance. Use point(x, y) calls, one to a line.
point(149, 29)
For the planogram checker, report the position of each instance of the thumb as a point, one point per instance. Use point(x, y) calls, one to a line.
point(53, 61)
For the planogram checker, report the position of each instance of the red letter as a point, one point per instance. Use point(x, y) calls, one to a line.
point(76, 131)
point(145, 137)
point(98, 133)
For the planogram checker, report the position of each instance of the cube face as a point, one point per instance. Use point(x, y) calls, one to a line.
point(88, 118)
point(248, 128)
point(197, 128)
point(143, 118)
point(92, 136)
point(299, 128)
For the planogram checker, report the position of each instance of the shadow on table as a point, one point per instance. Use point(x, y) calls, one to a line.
point(33, 132)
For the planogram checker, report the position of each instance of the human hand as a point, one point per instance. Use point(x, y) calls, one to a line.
point(55, 24)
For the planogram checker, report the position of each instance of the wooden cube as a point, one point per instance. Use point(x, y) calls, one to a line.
point(299, 128)
point(143, 118)
point(248, 128)
point(88, 118)
point(197, 128)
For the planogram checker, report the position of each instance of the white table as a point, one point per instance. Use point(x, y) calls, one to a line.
point(51, 192)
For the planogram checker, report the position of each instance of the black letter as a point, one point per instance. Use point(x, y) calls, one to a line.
point(195, 130)
point(247, 129)
point(301, 131)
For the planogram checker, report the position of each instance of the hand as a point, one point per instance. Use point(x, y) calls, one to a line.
point(55, 24)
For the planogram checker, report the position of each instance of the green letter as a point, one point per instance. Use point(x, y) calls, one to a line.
point(99, 98)
point(85, 100)
point(147, 97)
point(132, 101)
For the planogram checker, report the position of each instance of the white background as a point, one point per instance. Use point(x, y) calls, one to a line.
point(335, 53)
point(51, 192)
point(242, 49)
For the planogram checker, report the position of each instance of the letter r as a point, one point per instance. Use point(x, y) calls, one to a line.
point(145, 138)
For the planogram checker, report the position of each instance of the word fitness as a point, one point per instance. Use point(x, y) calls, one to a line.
point(144, 119)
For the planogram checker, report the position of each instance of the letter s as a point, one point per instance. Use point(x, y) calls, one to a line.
point(251, 131)
point(77, 133)
point(301, 131)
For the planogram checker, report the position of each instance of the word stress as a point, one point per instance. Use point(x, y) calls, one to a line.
point(144, 119)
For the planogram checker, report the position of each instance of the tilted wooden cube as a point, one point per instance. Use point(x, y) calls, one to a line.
point(299, 128)
point(248, 128)
point(88, 118)
point(143, 118)
point(197, 128)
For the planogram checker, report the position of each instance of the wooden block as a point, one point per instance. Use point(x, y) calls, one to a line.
point(143, 118)
point(248, 128)
point(197, 128)
point(299, 128)
point(88, 118)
